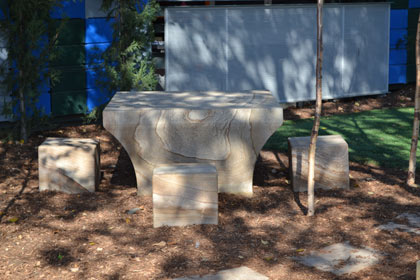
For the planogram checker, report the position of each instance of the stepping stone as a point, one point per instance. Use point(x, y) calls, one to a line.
point(185, 194)
point(341, 258)
point(331, 162)
point(69, 165)
point(413, 220)
point(240, 273)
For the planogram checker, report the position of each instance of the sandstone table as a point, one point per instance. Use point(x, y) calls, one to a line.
point(225, 129)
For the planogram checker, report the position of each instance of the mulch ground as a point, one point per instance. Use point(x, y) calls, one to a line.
point(52, 235)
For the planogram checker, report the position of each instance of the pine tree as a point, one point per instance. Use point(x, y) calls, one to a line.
point(30, 34)
point(127, 62)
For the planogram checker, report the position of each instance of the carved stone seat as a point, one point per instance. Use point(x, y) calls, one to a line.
point(69, 165)
point(185, 194)
point(331, 162)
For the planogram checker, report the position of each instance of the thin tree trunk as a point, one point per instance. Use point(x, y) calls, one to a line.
point(23, 127)
point(21, 90)
point(318, 106)
point(411, 178)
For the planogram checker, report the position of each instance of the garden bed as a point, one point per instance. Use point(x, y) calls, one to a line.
point(91, 236)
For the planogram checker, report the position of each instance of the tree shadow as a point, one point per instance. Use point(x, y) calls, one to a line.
point(57, 256)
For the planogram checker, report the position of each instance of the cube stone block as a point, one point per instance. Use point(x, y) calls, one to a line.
point(69, 165)
point(185, 194)
point(331, 162)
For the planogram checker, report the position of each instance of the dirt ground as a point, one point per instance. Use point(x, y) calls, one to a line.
point(91, 236)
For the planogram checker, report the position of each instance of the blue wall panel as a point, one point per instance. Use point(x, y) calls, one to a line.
point(397, 56)
point(414, 4)
point(91, 78)
point(70, 9)
point(399, 19)
point(98, 30)
point(44, 103)
point(97, 97)
point(94, 51)
point(397, 74)
point(398, 38)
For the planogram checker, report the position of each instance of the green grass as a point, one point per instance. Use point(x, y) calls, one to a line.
point(379, 137)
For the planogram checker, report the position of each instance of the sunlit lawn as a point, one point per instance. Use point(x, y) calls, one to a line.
point(380, 137)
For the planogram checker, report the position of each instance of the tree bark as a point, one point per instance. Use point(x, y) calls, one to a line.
point(21, 88)
point(23, 126)
point(411, 178)
point(318, 107)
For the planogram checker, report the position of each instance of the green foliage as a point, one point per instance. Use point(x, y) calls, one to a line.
point(30, 34)
point(127, 63)
point(379, 137)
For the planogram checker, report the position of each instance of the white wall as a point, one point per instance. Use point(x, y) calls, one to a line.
point(274, 48)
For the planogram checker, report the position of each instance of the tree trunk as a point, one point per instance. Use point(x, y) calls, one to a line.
point(411, 178)
point(21, 87)
point(23, 126)
point(318, 106)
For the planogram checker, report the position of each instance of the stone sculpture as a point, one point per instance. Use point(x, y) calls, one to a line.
point(225, 129)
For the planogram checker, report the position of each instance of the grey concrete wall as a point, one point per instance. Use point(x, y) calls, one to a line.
point(274, 48)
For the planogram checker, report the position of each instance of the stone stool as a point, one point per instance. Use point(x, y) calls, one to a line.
point(185, 194)
point(69, 165)
point(331, 162)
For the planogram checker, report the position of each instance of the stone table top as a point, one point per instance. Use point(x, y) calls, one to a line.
point(198, 100)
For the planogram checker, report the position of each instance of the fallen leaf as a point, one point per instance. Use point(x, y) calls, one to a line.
point(99, 249)
point(13, 220)
point(264, 242)
point(91, 243)
point(268, 258)
point(172, 243)
point(160, 244)
point(371, 193)
point(356, 185)
point(357, 104)
point(241, 257)
point(300, 250)
point(74, 269)
point(127, 220)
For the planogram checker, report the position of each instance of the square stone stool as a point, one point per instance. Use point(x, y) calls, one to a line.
point(69, 165)
point(185, 194)
point(331, 162)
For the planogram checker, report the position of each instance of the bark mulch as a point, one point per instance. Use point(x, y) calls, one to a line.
point(52, 235)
